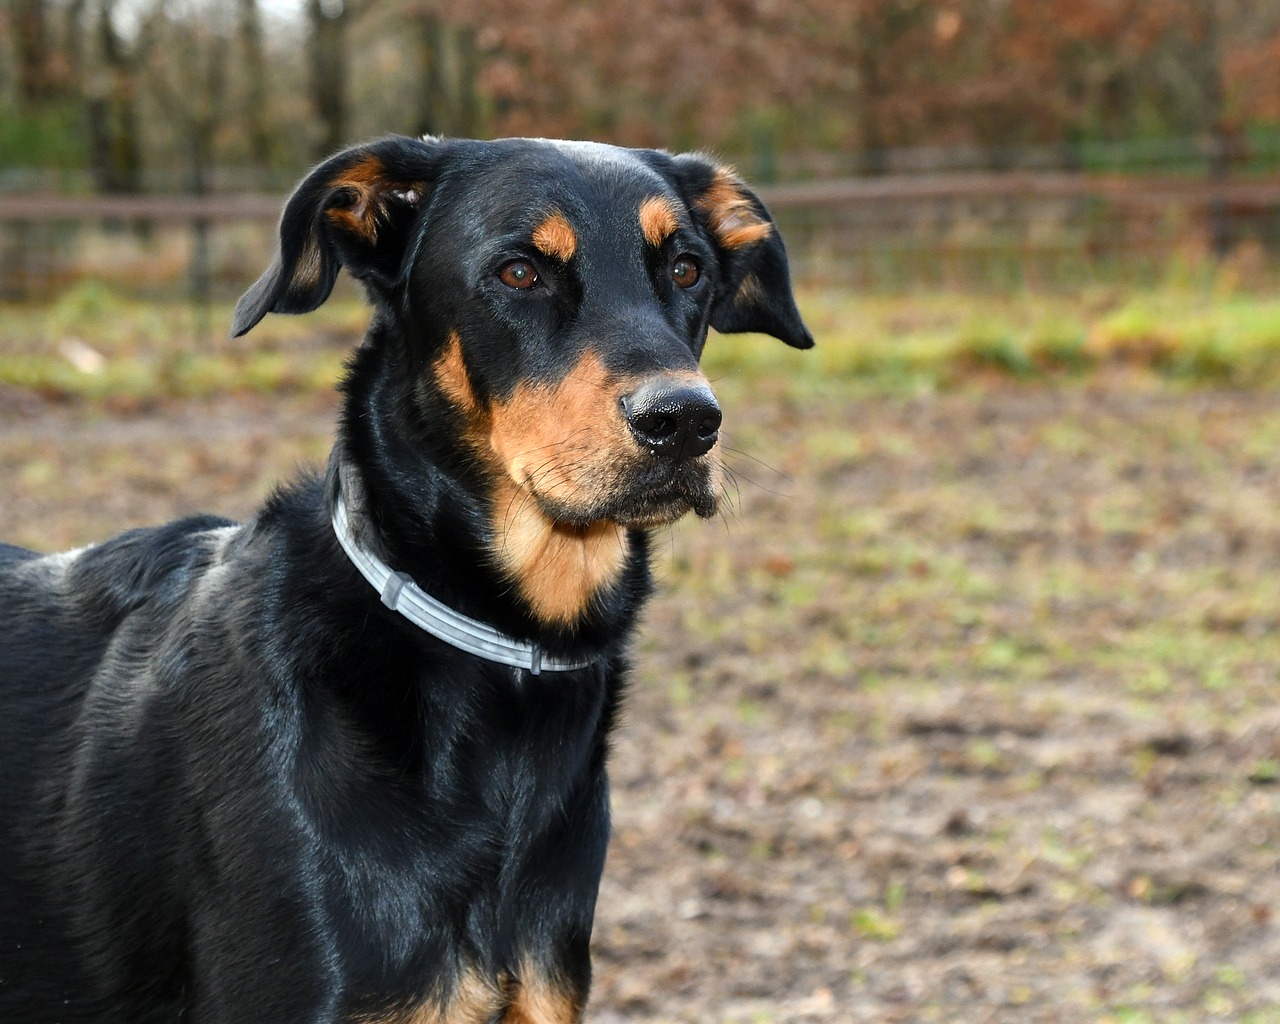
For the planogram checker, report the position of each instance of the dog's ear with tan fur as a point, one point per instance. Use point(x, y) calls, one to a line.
point(356, 210)
point(755, 289)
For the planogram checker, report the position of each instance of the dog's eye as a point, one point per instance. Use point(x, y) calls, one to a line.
point(685, 271)
point(518, 274)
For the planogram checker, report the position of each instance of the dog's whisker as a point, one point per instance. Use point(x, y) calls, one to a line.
point(736, 498)
point(739, 474)
point(743, 454)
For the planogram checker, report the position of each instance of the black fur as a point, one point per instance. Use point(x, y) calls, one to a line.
point(235, 787)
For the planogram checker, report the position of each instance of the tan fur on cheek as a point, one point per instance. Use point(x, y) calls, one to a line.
point(733, 219)
point(562, 439)
point(451, 376)
point(559, 442)
point(555, 237)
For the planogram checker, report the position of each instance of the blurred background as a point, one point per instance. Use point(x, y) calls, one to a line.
point(975, 142)
point(966, 709)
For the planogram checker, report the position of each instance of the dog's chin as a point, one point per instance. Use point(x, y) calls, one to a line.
point(651, 514)
point(644, 510)
point(657, 495)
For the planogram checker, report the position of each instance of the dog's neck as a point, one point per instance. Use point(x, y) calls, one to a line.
point(429, 508)
point(458, 578)
point(401, 593)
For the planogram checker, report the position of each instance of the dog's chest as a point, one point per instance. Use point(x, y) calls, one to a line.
point(463, 870)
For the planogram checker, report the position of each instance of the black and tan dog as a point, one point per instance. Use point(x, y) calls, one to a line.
point(346, 762)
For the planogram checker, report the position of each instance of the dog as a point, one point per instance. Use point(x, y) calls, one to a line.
point(346, 762)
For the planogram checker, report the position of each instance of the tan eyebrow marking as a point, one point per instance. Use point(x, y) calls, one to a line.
point(555, 237)
point(658, 219)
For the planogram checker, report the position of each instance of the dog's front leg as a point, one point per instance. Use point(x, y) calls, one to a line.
point(253, 965)
point(542, 998)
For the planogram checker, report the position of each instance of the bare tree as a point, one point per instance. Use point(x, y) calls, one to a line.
point(73, 34)
point(451, 66)
point(189, 78)
point(32, 52)
point(112, 98)
point(328, 21)
point(253, 60)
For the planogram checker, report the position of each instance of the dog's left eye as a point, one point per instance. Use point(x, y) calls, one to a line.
point(685, 271)
point(518, 274)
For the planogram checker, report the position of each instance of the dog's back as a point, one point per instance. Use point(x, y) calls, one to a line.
point(71, 622)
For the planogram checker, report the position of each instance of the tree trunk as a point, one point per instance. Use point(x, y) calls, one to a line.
point(116, 147)
point(74, 33)
point(327, 48)
point(1223, 142)
point(204, 117)
point(255, 71)
point(871, 93)
point(35, 72)
point(450, 101)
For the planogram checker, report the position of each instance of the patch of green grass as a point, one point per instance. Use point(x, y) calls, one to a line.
point(1265, 772)
point(893, 344)
point(936, 339)
point(92, 344)
point(872, 923)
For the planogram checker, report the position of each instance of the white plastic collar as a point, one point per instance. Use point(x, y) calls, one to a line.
point(401, 594)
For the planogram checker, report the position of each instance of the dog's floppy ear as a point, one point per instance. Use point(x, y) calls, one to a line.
point(356, 210)
point(756, 278)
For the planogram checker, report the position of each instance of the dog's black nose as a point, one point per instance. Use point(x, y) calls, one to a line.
point(676, 419)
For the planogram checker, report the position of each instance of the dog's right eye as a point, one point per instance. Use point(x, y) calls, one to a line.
point(685, 271)
point(518, 274)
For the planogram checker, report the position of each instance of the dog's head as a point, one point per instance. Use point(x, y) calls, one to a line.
point(556, 298)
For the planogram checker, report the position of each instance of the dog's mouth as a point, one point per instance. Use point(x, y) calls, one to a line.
point(643, 498)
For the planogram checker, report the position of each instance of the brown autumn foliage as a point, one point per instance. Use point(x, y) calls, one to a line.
point(755, 78)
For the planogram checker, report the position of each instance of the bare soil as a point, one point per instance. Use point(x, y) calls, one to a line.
point(966, 711)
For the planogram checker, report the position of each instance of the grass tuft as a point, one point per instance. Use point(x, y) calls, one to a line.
point(91, 343)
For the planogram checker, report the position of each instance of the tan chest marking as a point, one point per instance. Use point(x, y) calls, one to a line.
point(558, 568)
point(474, 1000)
point(538, 1000)
point(534, 999)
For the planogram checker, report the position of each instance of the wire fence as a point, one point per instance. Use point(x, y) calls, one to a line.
point(972, 230)
point(1045, 230)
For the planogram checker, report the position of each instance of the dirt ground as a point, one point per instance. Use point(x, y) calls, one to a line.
point(967, 711)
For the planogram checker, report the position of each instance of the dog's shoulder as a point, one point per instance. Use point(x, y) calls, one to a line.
point(103, 584)
point(150, 565)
